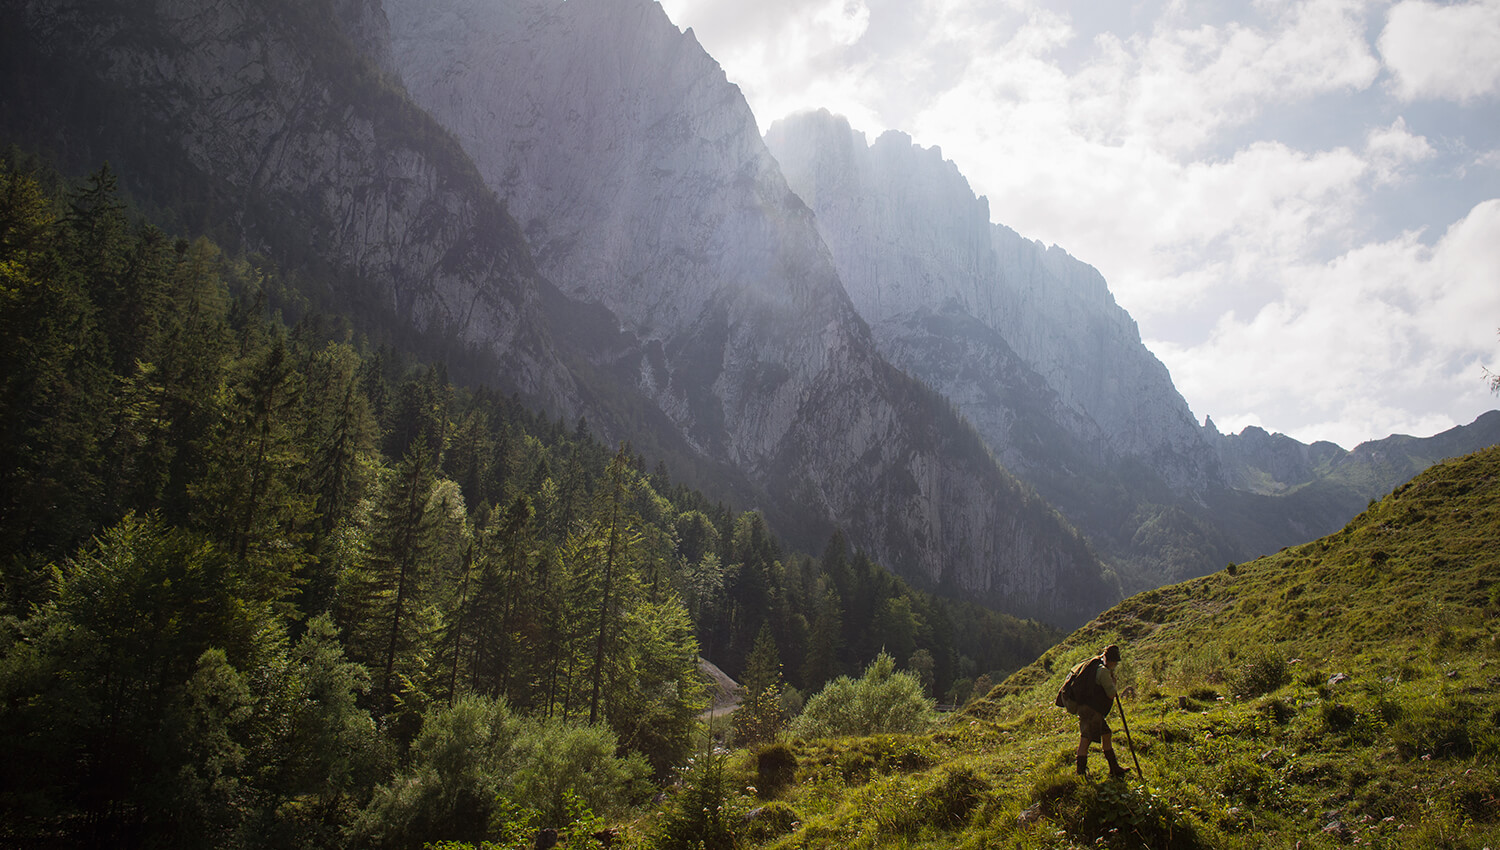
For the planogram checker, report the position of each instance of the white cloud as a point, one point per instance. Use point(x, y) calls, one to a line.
point(1392, 148)
point(1386, 339)
point(1193, 83)
point(1152, 151)
point(786, 54)
point(1443, 52)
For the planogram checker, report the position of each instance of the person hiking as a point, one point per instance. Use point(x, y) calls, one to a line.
point(1090, 692)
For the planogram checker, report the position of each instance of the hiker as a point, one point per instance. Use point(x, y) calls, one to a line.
point(1090, 693)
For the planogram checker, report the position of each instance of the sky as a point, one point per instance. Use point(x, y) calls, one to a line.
point(1298, 202)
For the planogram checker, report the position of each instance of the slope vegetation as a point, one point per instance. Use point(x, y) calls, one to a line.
point(1339, 693)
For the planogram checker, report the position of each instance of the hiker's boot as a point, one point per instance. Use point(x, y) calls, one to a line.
point(1114, 767)
point(1083, 765)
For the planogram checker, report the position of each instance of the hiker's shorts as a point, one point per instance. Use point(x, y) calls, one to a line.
point(1091, 724)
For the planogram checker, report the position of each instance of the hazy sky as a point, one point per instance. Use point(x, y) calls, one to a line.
point(1298, 202)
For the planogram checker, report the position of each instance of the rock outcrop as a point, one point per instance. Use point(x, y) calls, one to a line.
point(909, 237)
point(640, 179)
point(1030, 345)
point(267, 121)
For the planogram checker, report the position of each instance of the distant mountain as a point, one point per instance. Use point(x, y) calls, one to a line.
point(592, 218)
point(570, 201)
point(1261, 462)
point(640, 179)
point(1031, 347)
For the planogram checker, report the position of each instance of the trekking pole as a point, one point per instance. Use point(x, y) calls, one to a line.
point(1126, 724)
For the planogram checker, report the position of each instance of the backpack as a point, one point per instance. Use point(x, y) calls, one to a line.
point(1082, 685)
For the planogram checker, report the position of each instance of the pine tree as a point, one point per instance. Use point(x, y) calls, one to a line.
point(248, 496)
point(825, 640)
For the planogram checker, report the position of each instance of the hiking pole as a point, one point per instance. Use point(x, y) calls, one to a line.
point(1126, 724)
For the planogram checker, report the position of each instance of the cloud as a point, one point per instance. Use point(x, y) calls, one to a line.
point(1443, 52)
point(1387, 338)
point(1146, 140)
point(1392, 148)
point(1191, 83)
point(787, 55)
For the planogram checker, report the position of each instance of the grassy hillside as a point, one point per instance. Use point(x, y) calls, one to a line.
point(1341, 693)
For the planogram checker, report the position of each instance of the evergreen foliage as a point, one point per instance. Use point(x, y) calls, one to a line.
point(270, 585)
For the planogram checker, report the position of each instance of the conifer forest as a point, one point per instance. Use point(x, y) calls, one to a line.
point(271, 579)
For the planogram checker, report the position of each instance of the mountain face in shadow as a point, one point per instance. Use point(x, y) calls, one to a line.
point(640, 179)
point(603, 232)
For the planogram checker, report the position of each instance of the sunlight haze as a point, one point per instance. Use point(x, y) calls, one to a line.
point(1298, 202)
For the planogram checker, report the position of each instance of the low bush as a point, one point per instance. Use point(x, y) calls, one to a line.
point(1440, 727)
point(1258, 675)
point(1338, 717)
point(882, 700)
point(775, 769)
point(770, 821)
point(1278, 711)
point(1114, 814)
point(948, 801)
point(477, 769)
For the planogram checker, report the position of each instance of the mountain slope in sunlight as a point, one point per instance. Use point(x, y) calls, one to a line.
point(1343, 692)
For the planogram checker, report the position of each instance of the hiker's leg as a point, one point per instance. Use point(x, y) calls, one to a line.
point(1089, 726)
point(1107, 743)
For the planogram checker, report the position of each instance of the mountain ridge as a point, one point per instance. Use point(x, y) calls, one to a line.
point(1031, 346)
point(641, 180)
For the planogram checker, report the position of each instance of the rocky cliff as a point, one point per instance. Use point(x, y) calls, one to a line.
point(1030, 345)
point(639, 176)
point(909, 236)
point(265, 123)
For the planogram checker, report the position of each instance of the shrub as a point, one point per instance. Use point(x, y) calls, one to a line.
point(770, 821)
point(458, 763)
point(882, 700)
point(703, 813)
point(1338, 717)
point(759, 717)
point(775, 769)
point(1261, 674)
point(476, 767)
point(1113, 814)
point(1438, 726)
point(955, 793)
point(1278, 711)
point(558, 761)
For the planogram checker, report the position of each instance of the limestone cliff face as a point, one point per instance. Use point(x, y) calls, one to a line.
point(639, 177)
point(908, 235)
point(266, 115)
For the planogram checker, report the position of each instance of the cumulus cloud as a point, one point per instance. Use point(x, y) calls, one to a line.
point(1150, 148)
point(1387, 338)
point(1443, 52)
point(1392, 148)
point(1193, 82)
point(786, 54)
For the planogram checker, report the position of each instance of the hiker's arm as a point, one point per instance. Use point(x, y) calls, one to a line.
point(1107, 682)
